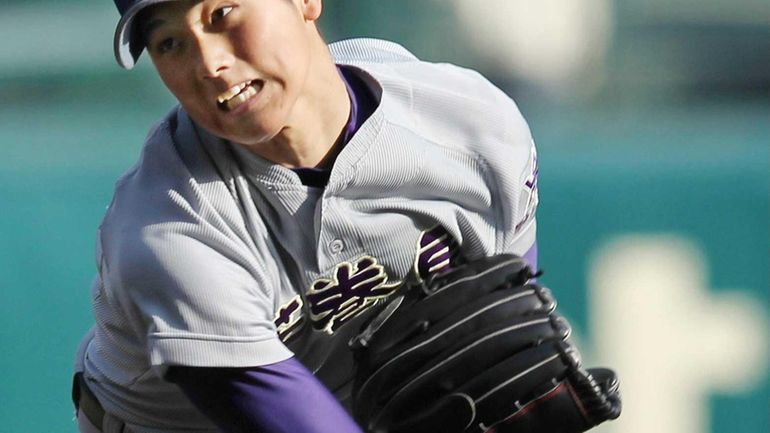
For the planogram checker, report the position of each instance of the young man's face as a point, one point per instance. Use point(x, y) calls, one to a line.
point(238, 67)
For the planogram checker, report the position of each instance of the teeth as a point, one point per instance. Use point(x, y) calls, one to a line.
point(242, 97)
point(232, 92)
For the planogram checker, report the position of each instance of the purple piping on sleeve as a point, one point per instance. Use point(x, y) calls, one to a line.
point(278, 398)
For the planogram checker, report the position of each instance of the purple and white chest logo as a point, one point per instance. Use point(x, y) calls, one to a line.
point(436, 250)
point(355, 287)
point(529, 192)
point(289, 319)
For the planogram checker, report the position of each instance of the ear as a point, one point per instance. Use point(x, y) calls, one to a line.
point(311, 9)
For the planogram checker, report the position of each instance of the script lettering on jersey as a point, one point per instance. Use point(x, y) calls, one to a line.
point(436, 250)
point(353, 288)
point(288, 319)
point(530, 190)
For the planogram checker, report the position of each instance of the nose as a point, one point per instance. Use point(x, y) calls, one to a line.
point(214, 55)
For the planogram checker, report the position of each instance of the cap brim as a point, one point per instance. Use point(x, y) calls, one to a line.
point(127, 43)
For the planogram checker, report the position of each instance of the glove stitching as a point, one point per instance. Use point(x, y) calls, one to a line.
point(579, 404)
point(518, 376)
point(523, 410)
point(472, 404)
point(476, 276)
point(453, 356)
point(430, 340)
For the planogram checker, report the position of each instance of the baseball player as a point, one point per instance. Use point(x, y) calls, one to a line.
point(280, 222)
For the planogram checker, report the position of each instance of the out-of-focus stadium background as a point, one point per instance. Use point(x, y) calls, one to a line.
point(652, 119)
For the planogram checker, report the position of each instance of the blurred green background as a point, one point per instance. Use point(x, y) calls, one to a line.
point(652, 120)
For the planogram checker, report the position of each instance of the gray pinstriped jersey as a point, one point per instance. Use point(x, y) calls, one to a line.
point(208, 253)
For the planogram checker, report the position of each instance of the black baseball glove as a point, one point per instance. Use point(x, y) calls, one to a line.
point(479, 348)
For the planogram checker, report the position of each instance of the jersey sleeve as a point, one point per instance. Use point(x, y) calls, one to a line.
point(516, 166)
point(484, 123)
point(197, 305)
point(523, 239)
point(182, 275)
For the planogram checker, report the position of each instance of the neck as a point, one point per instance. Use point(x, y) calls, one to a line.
point(317, 118)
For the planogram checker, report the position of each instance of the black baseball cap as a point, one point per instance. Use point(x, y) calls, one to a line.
point(128, 42)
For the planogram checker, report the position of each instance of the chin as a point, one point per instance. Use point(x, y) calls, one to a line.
point(256, 130)
point(250, 130)
point(250, 137)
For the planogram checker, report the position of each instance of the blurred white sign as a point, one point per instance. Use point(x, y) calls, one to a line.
point(557, 45)
point(672, 339)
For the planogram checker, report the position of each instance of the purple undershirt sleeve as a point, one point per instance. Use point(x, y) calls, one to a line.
point(531, 257)
point(278, 398)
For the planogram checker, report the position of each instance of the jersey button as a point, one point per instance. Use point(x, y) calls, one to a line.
point(336, 246)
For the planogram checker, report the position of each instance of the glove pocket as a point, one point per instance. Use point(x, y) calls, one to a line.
point(400, 390)
point(512, 385)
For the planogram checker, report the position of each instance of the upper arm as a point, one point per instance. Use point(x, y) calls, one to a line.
point(278, 398)
point(193, 290)
point(524, 238)
point(519, 196)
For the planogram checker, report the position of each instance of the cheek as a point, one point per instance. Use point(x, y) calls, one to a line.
point(186, 91)
point(253, 46)
point(272, 49)
point(193, 101)
point(178, 86)
point(174, 81)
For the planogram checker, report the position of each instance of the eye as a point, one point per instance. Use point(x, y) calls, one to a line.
point(220, 13)
point(166, 45)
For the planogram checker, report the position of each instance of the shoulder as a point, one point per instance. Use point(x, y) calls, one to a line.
point(447, 108)
point(173, 199)
point(144, 192)
point(388, 61)
point(369, 50)
point(455, 115)
point(141, 200)
point(159, 165)
point(444, 102)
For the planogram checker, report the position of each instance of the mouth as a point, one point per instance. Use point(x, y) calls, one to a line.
point(238, 94)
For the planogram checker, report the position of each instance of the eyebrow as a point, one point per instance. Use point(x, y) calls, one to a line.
point(149, 26)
